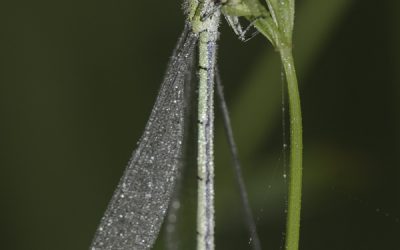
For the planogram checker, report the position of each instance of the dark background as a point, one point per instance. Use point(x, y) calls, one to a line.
point(78, 80)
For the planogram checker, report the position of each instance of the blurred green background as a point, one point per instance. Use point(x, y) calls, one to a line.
point(78, 80)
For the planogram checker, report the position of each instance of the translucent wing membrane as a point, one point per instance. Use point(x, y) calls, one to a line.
point(138, 206)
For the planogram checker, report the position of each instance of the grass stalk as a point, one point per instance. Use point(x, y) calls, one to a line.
point(296, 153)
point(276, 24)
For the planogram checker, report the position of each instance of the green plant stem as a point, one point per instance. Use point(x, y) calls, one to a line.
point(276, 24)
point(296, 152)
point(278, 29)
point(253, 129)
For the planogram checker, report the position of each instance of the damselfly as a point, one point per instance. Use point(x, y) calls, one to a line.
point(140, 201)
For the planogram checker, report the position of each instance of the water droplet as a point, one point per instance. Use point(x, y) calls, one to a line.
point(172, 218)
point(176, 204)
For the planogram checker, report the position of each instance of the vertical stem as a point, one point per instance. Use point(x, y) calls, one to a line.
point(208, 35)
point(276, 24)
point(296, 154)
point(205, 159)
point(205, 210)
